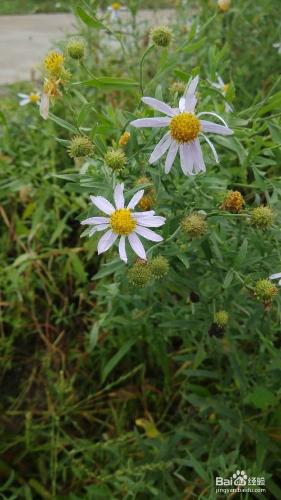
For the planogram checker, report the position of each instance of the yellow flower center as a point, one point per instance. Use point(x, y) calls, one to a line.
point(184, 127)
point(54, 62)
point(116, 6)
point(34, 98)
point(122, 222)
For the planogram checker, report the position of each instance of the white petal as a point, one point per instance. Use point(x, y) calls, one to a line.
point(160, 148)
point(23, 102)
point(213, 114)
point(275, 276)
point(154, 221)
point(212, 148)
point(171, 156)
point(122, 249)
point(23, 96)
point(137, 215)
point(148, 234)
point(118, 196)
point(190, 99)
point(151, 122)
point(137, 245)
point(182, 104)
point(159, 106)
point(98, 227)
point(95, 220)
point(44, 106)
point(102, 204)
point(214, 128)
point(199, 164)
point(186, 158)
point(136, 198)
point(106, 241)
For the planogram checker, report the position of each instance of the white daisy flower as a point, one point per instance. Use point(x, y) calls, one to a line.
point(124, 222)
point(184, 129)
point(277, 46)
point(276, 276)
point(115, 10)
point(32, 98)
point(223, 88)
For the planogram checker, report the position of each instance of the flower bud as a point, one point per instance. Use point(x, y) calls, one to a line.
point(161, 36)
point(221, 318)
point(177, 88)
point(194, 225)
point(262, 217)
point(233, 202)
point(159, 267)
point(139, 274)
point(124, 139)
point(115, 159)
point(80, 146)
point(76, 48)
point(265, 291)
point(224, 5)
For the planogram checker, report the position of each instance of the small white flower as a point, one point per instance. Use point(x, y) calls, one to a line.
point(277, 46)
point(122, 221)
point(276, 276)
point(32, 98)
point(223, 88)
point(184, 130)
point(115, 10)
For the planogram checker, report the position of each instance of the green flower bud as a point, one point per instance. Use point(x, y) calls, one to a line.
point(159, 267)
point(139, 274)
point(221, 318)
point(194, 225)
point(80, 146)
point(76, 48)
point(115, 159)
point(262, 217)
point(161, 36)
point(265, 291)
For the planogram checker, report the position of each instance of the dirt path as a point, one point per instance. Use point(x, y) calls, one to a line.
point(24, 40)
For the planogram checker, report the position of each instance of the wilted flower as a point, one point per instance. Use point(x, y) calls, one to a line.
point(53, 64)
point(161, 36)
point(262, 217)
point(50, 91)
point(194, 225)
point(122, 221)
point(115, 10)
point(233, 202)
point(32, 98)
point(124, 139)
point(149, 196)
point(184, 130)
point(115, 159)
point(80, 146)
point(224, 5)
point(76, 48)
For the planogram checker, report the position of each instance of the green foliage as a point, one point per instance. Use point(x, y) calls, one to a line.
point(110, 390)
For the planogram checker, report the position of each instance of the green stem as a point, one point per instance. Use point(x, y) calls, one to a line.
point(141, 65)
point(164, 241)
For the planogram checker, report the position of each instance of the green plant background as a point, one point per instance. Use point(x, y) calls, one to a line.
point(109, 391)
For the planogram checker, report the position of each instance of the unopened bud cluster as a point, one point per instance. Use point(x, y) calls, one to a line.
point(76, 48)
point(161, 36)
point(221, 318)
point(265, 291)
point(262, 217)
point(80, 146)
point(194, 225)
point(143, 272)
point(115, 159)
